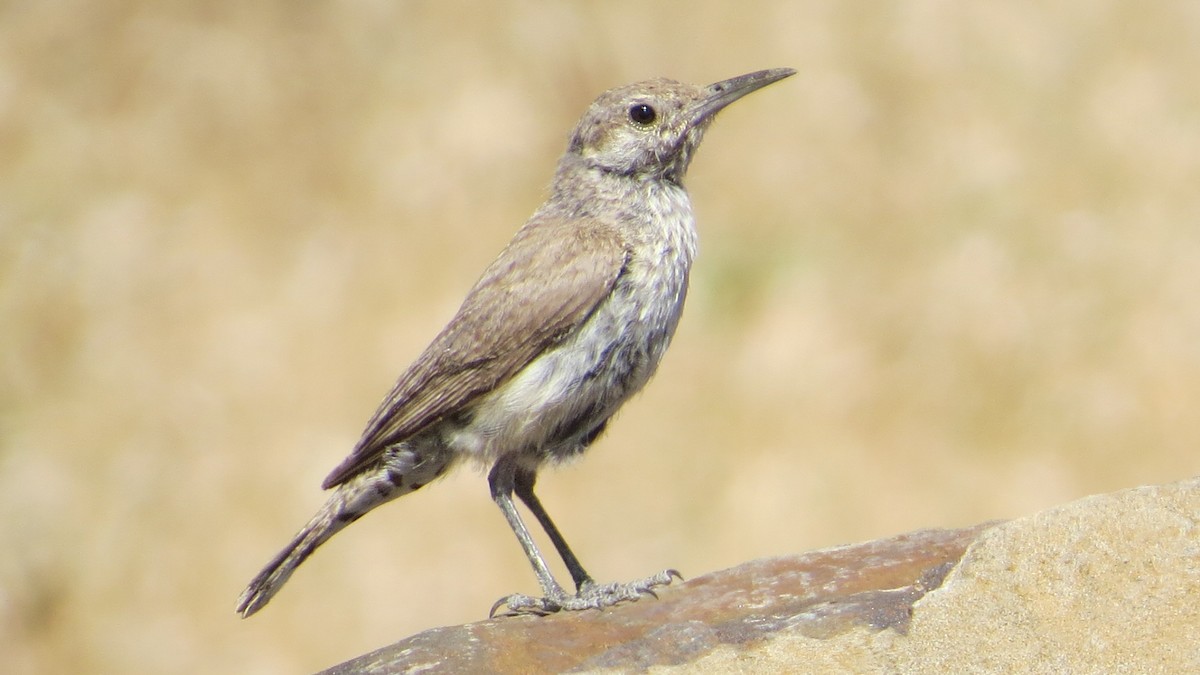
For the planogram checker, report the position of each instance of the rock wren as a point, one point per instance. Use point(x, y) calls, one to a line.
point(564, 326)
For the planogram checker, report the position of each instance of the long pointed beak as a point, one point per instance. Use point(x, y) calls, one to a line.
point(720, 94)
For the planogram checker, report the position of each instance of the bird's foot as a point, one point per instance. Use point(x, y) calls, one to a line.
point(590, 596)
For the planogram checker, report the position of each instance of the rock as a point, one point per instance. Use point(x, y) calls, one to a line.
point(1106, 584)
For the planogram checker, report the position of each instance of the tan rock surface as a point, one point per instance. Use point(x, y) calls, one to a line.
point(1105, 584)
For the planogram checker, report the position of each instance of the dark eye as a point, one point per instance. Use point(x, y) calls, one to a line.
point(642, 113)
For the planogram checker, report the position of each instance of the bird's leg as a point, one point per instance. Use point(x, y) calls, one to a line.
point(505, 479)
point(523, 486)
point(502, 480)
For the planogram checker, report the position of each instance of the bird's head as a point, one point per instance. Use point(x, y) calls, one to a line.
point(650, 129)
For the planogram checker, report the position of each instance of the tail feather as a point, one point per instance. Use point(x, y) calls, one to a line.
point(324, 525)
point(403, 471)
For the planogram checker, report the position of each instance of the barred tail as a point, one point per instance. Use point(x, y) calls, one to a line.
point(272, 577)
point(401, 473)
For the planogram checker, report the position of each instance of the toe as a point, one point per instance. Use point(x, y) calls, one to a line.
point(519, 603)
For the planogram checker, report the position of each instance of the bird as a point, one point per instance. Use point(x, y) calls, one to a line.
point(563, 327)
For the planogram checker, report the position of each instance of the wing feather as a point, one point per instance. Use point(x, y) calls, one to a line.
point(543, 285)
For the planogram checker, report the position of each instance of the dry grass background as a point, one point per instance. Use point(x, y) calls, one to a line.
point(949, 272)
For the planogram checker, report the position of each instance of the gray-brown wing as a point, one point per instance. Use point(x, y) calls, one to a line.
point(545, 283)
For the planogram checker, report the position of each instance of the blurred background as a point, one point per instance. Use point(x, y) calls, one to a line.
point(949, 272)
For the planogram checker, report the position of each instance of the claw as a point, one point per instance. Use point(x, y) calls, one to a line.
point(499, 603)
point(519, 603)
point(591, 596)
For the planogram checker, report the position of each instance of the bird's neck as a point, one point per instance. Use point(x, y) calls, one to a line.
point(585, 189)
point(654, 216)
